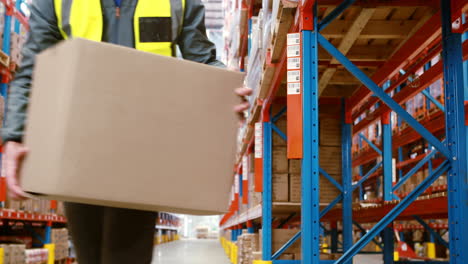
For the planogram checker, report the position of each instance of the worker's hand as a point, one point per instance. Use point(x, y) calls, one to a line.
point(13, 155)
point(242, 93)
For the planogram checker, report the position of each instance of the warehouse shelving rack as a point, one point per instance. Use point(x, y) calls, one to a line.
point(454, 148)
point(14, 18)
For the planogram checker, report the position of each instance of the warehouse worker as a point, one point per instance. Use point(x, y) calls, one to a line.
point(105, 235)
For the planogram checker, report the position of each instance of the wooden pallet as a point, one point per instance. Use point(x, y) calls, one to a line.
point(284, 20)
point(434, 110)
point(265, 83)
point(420, 116)
point(404, 126)
point(4, 59)
point(368, 36)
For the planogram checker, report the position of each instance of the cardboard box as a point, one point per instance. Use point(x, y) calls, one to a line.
point(328, 191)
point(330, 132)
point(281, 124)
point(330, 159)
point(255, 198)
point(280, 237)
point(295, 188)
point(286, 256)
point(257, 255)
point(280, 188)
point(119, 127)
point(280, 160)
point(295, 166)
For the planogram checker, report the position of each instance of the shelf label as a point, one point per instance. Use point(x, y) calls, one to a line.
point(258, 140)
point(294, 88)
point(294, 76)
point(294, 39)
point(294, 98)
point(294, 51)
point(294, 63)
point(245, 168)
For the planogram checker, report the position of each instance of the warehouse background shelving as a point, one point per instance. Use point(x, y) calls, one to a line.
point(34, 231)
point(400, 46)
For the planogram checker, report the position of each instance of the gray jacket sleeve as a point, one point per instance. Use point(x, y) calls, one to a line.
point(193, 42)
point(43, 33)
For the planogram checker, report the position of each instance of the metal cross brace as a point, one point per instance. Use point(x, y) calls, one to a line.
point(382, 95)
point(371, 144)
point(393, 214)
point(380, 245)
point(286, 246)
point(279, 114)
point(34, 233)
point(279, 132)
point(286, 220)
point(369, 173)
point(298, 234)
point(330, 179)
point(331, 205)
point(433, 100)
point(427, 94)
point(433, 233)
point(335, 13)
point(415, 169)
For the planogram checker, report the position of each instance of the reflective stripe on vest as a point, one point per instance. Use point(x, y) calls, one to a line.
point(84, 19)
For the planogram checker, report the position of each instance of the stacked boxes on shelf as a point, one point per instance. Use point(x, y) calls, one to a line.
point(59, 237)
point(255, 198)
point(280, 166)
point(37, 256)
point(167, 219)
point(17, 43)
point(279, 238)
point(255, 60)
point(38, 206)
point(247, 244)
point(330, 159)
point(13, 253)
point(235, 26)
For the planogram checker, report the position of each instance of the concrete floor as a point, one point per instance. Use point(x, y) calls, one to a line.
point(190, 252)
point(211, 252)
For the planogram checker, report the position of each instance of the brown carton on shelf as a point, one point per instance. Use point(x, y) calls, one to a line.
point(330, 159)
point(280, 160)
point(281, 125)
point(114, 126)
point(295, 166)
point(257, 255)
point(330, 132)
point(328, 191)
point(286, 256)
point(295, 188)
point(280, 188)
point(280, 237)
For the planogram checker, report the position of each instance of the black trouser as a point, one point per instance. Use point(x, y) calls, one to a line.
point(105, 235)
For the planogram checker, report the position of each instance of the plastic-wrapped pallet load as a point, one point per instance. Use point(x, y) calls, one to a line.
point(36, 256)
point(14, 253)
point(59, 237)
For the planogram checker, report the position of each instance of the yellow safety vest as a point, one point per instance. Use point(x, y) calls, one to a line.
point(84, 19)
